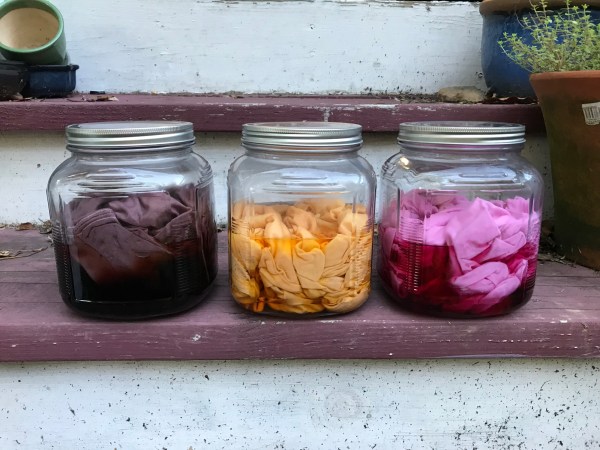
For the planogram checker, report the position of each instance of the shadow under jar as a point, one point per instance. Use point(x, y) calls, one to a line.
point(301, 210)
point(132, 213)
point(460, 219)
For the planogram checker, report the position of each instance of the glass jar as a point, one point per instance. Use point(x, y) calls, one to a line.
point(460, 219)
point(132, 214)
point(301, 210)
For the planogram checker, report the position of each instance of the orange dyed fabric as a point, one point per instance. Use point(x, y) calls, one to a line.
point(310, 257)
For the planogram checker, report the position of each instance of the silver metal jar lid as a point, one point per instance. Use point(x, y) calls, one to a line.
point(303, 136)
point(129, 136)
point(458, 132)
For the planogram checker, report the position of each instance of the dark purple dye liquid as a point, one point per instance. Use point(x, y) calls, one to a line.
point(181, 282)
point(102, 277)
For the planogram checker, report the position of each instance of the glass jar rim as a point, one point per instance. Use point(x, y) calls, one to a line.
point(470, 133)
point(312, 137)
point(129, 136)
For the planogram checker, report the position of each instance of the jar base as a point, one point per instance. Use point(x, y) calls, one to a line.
point(138, 310)
point(512, 303)
point(268, 312)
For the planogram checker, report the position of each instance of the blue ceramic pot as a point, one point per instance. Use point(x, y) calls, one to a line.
point(50, 81)
point(502, 76)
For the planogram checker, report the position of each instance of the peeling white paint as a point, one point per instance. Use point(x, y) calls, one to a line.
point(302, 47)
point(389, 405)
point(425, 108)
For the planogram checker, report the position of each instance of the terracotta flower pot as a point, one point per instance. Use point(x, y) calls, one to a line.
point(575, 159)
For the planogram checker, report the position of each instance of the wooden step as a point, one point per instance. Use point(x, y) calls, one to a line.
point(561, 320)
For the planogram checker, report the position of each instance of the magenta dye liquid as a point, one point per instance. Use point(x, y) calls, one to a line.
point(423, 278)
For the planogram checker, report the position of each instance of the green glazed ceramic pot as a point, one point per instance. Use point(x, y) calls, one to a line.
point(32, 31)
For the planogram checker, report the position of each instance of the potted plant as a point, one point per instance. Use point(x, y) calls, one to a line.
point(564, 59)
point(502, 76)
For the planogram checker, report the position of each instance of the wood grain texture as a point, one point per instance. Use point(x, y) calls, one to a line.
point(561, 320)
point(230, 113)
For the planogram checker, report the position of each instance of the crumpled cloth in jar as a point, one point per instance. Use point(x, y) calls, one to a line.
point(124, 238)
point(314, 255)
point(486, 240)
point(109, 252)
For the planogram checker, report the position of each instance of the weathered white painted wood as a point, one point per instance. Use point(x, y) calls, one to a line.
point(27, 161)
point(451, 404)
point(308, 47)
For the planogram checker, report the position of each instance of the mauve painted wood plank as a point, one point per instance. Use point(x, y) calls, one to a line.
point(34, 263)
point(560, 321)
point(11, 239)
point(31, 265)
point(222, 113)
point(556, 270)
point(32, 292)
point(547, 280)
point(378, 118)
point(251, 339)
point(574, 293)
point(41, 277)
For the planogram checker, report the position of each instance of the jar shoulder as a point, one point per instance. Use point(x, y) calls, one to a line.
point(75, 166)
point(82, 176)
point(405, 165)
point(247, 167)
point(64, 171)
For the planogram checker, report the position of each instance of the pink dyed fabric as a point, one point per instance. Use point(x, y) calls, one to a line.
point(492, 250)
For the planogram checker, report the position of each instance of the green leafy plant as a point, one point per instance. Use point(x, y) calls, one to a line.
point(561, 40)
